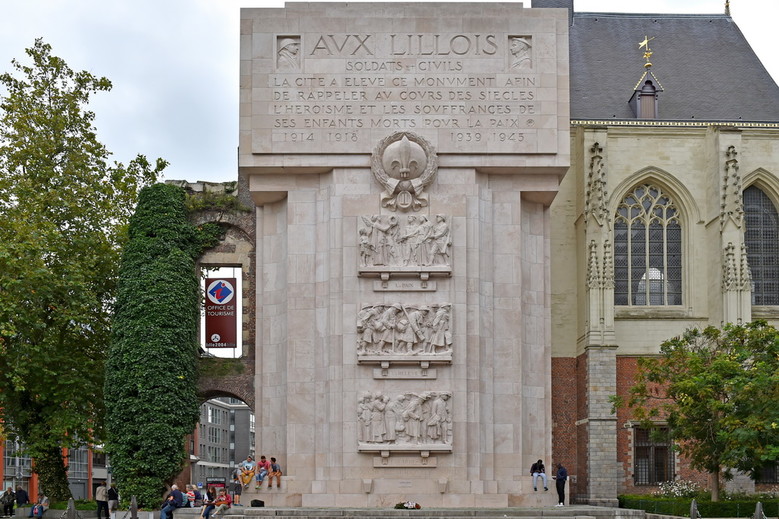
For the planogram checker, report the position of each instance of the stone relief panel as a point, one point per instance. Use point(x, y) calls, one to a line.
point(288, 53)
point(407, 421)
point(410, 245)
point(411, 333)
point(521, 50)
point(404, 164)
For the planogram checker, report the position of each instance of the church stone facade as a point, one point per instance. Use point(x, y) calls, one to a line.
point(666, 220)
point(470, 220)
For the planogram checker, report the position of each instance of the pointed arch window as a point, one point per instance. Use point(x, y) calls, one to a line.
point(761, 236)
point(647, 249)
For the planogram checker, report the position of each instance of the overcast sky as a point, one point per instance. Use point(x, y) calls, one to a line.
point(174, 66)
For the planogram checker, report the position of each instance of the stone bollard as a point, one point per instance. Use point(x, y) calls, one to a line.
point(759, 514)
point(694, 514)
point(133, 508)
point(70, 513)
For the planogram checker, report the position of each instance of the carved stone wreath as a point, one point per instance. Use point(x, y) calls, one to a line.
point(404, 164)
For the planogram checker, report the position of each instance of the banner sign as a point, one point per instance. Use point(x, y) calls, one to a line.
point(221, 313)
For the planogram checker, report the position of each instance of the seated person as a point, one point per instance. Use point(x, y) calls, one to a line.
point(247, 467)
point(39, 507)
point(263, 468)
point(275, 472)
point(222, 502)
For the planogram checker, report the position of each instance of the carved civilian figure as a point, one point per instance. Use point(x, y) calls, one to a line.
point(520, 53)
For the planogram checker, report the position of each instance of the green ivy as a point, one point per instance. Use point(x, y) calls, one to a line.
point(220, 367)
point(151, 376)
point(215, 201)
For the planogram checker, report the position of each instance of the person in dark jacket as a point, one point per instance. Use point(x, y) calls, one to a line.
point(174, 500)
point(113, 498)
point(22, 498)
point(538, 471)
point(7, 500)
point(561, 478)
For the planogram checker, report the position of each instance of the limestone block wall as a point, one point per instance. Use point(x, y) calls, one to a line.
point(310, 379)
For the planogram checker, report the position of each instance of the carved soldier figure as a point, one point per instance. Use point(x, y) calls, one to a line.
point(288, 56)
point(409, 332)
point(386, 325)
point(367, 324)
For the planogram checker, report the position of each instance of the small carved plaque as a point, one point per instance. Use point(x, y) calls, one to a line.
point(410, 373)
point(405, 462)
point(404, 285)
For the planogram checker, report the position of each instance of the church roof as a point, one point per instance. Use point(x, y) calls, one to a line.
point(708, 69)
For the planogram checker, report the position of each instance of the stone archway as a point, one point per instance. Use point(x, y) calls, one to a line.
point(231, 377)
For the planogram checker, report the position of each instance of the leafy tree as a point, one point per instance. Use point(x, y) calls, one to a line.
point(63, 213)
point(151, 376)
point(718, 390)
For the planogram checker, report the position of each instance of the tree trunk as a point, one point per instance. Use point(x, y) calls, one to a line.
point(53, 475)
point(714, 478)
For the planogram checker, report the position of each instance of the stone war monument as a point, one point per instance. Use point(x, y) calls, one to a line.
point(402, 158)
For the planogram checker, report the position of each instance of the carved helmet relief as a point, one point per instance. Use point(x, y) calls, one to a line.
point(404, 164)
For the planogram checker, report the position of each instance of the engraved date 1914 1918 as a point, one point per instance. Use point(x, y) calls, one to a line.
point(304, 136)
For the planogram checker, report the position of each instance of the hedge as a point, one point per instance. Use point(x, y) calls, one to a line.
point(681, 507)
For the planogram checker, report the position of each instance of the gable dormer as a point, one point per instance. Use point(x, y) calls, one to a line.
point(645, 99)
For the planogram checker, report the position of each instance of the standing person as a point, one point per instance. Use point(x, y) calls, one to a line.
point(101, 496)
point(113, 498)
point(7, 500)
point(538, 470)
point(237, 490)
point(560, 479)
point(22, 498)
point(275, 472)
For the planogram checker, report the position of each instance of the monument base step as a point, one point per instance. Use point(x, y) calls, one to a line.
point(567, 512)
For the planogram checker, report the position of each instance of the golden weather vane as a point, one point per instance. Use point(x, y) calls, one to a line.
point(647, 52)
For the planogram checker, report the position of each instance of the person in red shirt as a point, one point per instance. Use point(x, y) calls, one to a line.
point(223, 502)
point(263, 468)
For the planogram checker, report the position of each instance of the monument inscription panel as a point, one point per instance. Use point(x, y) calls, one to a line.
point(330, 91)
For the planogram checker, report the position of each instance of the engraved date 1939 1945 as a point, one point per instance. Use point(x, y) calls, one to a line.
point(488, 136)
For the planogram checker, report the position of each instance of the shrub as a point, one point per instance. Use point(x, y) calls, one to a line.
point(681, 506)
point(678, 488)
